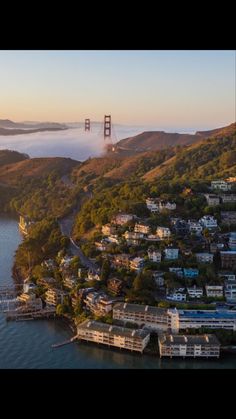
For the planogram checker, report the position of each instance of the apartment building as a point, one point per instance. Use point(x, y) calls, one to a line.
point(221, 185)
point(120, 337)
point(195, 292)
point(163, 233)
point(214, 290)
point(54, 296)
point(171, 253)
point(195, 227)
point(212, 199)
point(152, 317)
point(154, 255)
point(230, 291)
point(136, 264)
point(208, 221)
point(114, 285)
point(228, 259)
point(191, 346)
point(98, 303)
point(142, 227)
point(121, 260)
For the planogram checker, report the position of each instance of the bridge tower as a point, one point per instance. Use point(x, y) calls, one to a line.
point(87, 124)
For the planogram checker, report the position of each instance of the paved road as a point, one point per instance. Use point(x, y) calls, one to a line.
point(66, 225)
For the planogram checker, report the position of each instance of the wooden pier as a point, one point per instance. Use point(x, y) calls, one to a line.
point(66, 342)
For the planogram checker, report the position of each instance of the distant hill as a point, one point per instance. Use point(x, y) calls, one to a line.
point(11, 174)
point(8, 157)
point(158, 140)
point(8, 124)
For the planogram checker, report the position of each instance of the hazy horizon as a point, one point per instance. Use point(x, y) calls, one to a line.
point(184, 89)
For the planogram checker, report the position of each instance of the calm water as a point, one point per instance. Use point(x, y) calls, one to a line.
point(28, 344)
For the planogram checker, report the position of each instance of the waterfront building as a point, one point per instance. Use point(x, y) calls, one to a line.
point(204, 257)
point(120, 337)
point(54, 296)
point(191, 346)
point(151, 317)
point(196, 319)
point(228, 259)
point(214, 290)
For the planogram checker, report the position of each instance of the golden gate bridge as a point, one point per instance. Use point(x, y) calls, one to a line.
point(107, 130)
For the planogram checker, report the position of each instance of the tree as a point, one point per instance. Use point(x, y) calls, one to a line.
point(105, 271)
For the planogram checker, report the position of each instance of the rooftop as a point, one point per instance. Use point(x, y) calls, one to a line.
point(209, 314)
point(140, 308)
point(116, 330)
point(189, 339)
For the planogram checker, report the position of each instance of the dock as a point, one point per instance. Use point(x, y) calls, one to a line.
point(34, 315)
point(66, 342)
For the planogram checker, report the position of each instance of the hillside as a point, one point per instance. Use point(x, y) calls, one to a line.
point(8, 157)
point(11, 174)
point(214, 157)
point(10, 131)
point(157, 140)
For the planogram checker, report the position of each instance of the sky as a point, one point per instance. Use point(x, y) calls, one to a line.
point(175, 89)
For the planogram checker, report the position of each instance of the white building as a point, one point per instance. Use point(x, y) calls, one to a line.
point(220, 185)
point(214, 290)
point(204, 257)
point(120, 337)
point(177, 296)
point(208, 221)
point(212, 199)
point(195, 227)
point(229, 276)
point(158, 278)
point(195, 292)
point(191, 346)
point(152, 204)
point(154, 255)
point(171, 253)
point(163, 233)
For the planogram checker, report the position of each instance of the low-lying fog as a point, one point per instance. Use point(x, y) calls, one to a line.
point(73, 143)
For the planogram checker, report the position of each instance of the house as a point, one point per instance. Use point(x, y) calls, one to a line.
point(142, 227)
point(226, 275)
point(114, 285)
point(93, 275)
point(214, 290)
point(122, 218)
point(54, 296)
point(228, 259)
point(49, 264)
point(46, 282)
point(181, 227)
point(158, 205)
point(171, 253)
point(195, 227)
point(215, 247)
point(221, 185)
point(212, 199)
point(176, 296)
point(120, 337)
point(158, 278)
point(208, 221)
point(154, 255)
point(121, 260)
point(232, 241)
point(113, 238)
point(228, 217)
point(108, 229)
point(70, 281)
point(190, 272)
point(98, 303)
point(133, 238)
point(230, 291)
point(229, 198)
point(101, 246)
point(191, 346)
point(163, 233)
point(177, 271)
point(195, 292)
point(28, 286)
point(204, 257)
point(136, 264)
point(152, 238)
